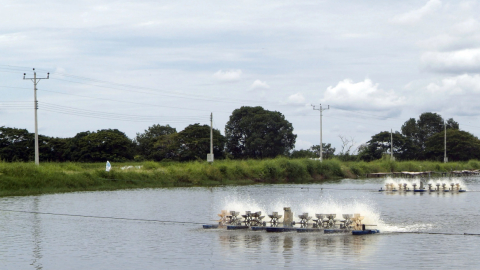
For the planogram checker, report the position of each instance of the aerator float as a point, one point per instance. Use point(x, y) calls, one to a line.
point(326, 223)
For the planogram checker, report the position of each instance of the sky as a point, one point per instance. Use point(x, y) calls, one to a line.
point(128, 65)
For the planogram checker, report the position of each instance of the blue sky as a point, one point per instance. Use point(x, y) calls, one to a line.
point(131, 64)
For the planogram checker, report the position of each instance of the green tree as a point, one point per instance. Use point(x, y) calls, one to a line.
point(253, 132)
point(166, 147)
point(327, 149)
point(16, 144)
point(303, 153)
point(411, 131)
point(194, 143)
point(313, 151)
point(427, 125)
point(103, 145)
point(380, 144)
point(451, 124)
point(52, 149)
point(155, 142)
point(461, 146)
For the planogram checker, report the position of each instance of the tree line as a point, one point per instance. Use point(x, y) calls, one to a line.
point(251, 132)
point(423, 139)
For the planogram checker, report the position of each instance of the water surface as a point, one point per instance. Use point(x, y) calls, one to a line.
point(65, 231)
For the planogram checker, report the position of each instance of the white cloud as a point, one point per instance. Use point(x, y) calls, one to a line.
point(257, 84)
point(459, 85)
point(467, 26)
point(297, 98)
point(362, 95)
point(457, 61)
point(316, 44)
point(467, 5)
point(414, 16)
point(228, 75)
point(451, 95)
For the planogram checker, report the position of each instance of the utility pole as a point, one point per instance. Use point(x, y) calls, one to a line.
point(35, 81)
point(445, 159)
point(391, 144)
point(210, 156)
point(321, 110)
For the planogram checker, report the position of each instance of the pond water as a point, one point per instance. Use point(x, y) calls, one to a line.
point(162, 228)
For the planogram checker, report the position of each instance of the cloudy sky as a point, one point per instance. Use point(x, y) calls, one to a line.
point(131, 64)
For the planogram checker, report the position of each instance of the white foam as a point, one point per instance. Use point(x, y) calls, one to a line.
point(406, 228)
point(325, 205)
point(432, 181)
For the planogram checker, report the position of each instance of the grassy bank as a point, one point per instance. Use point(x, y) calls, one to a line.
point(27, 179)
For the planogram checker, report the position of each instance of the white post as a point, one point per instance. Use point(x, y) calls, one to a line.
point(321, 144)
point(35, 81)
point(37, 153)
point(445, 160)
point(210, 156)
point(321, 141)
point(211, 133)
point(391, 144)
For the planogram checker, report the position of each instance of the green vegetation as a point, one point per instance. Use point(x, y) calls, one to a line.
point(253, 132)
point(422, 139)
point(27, 179)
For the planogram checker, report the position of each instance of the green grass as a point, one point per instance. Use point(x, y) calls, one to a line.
point(27, 179)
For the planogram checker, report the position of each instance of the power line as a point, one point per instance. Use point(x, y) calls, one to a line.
point(130, 102)
point(169, 94)
point(15, 87)
point(101, 217)
point(120, 86)
point(113, 116)
point(368, 114)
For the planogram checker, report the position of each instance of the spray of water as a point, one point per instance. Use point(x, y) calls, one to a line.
point(433, 181)
point(324, 205)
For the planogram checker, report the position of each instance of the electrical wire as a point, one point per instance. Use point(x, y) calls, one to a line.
point(148, 90)
point(20, 105)
point(101, 217)
point(168, 93)
point(129, 102)
point(367, 114)
point(15, 87)
point(131, 88)
point(115, 116)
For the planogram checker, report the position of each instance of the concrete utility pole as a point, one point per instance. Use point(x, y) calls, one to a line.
point(321, 110)
point(391, 144)
point(445, 159)
point(35, 81)
point(210, 156)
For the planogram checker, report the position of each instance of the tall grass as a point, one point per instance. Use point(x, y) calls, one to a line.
point(27, 178)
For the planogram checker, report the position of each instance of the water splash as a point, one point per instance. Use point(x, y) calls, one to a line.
point(433, 181)
point(407, 228)
point(324, 205)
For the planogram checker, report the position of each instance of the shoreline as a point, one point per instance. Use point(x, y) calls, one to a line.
point(22, 179)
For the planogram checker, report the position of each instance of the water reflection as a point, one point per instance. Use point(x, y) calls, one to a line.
point(289, 243)
point(37, 235)
point(427, 193)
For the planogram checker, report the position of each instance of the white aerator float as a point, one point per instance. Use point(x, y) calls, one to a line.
point(326, 223)
point(432, 187)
